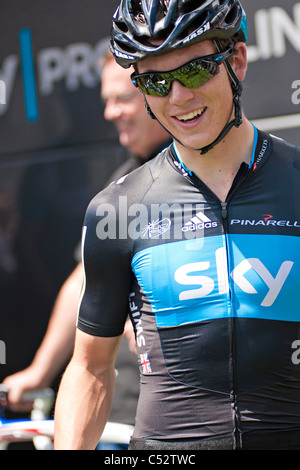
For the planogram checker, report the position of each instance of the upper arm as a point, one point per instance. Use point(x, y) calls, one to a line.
point(94, 353)
point(107, 251)
point(107, 276)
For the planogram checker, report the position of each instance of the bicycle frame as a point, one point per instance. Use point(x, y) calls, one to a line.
point(40, 432)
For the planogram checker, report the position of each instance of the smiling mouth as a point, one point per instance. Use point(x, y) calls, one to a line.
point(191, 116)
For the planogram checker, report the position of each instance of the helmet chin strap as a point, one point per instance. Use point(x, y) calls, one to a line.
point(237, 121)
point(237, 89)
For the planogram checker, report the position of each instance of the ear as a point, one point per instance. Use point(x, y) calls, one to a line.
point(239, 64)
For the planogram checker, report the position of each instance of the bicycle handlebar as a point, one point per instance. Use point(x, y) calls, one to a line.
point(42, 400)
point(44, 394)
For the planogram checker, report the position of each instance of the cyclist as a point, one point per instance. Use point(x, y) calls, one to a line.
point(212, 278)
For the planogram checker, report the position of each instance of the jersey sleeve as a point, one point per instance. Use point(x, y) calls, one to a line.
point(107, 271)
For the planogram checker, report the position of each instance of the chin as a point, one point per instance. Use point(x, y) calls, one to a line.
point(124, 141)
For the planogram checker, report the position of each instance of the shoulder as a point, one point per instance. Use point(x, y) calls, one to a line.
point(146, 173)
point(277, 152)
point(285, 149)
point(133, 185)
point(284, 163)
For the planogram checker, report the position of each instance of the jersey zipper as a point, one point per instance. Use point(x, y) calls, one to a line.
point(232, 320)
point(232, 335)
point(242, 174)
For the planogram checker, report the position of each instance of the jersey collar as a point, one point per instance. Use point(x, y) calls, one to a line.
point(261, 148)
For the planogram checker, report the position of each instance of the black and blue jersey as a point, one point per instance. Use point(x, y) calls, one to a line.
point(212, 289)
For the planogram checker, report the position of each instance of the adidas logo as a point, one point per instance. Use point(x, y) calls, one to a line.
point(198, 222)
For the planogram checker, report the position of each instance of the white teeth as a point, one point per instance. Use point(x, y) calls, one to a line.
point(187, 117)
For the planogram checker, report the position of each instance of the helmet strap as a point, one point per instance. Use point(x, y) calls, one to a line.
point(149, 111)
point(237, 121)
point(237, 89)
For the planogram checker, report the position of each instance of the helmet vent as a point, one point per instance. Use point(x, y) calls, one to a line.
point(232, 15)
point(121, 26)
point(197, 23)
point(166, 4)
point(188, 6)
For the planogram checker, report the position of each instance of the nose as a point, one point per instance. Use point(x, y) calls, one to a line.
point(179, 93)
point(112, 110)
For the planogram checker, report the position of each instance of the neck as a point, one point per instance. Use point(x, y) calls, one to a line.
point(218, 168)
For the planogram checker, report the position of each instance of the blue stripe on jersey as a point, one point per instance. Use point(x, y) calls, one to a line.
point(252, 276)
point(254, 146)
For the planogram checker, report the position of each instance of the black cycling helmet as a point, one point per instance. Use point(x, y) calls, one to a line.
point(177, 23)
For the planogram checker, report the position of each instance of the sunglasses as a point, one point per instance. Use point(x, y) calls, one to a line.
point(193, 74)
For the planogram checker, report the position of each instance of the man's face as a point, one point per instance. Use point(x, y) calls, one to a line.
point(125, 107)
point(194, 116)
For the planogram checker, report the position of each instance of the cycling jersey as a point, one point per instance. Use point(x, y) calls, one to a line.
point(212, 289)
